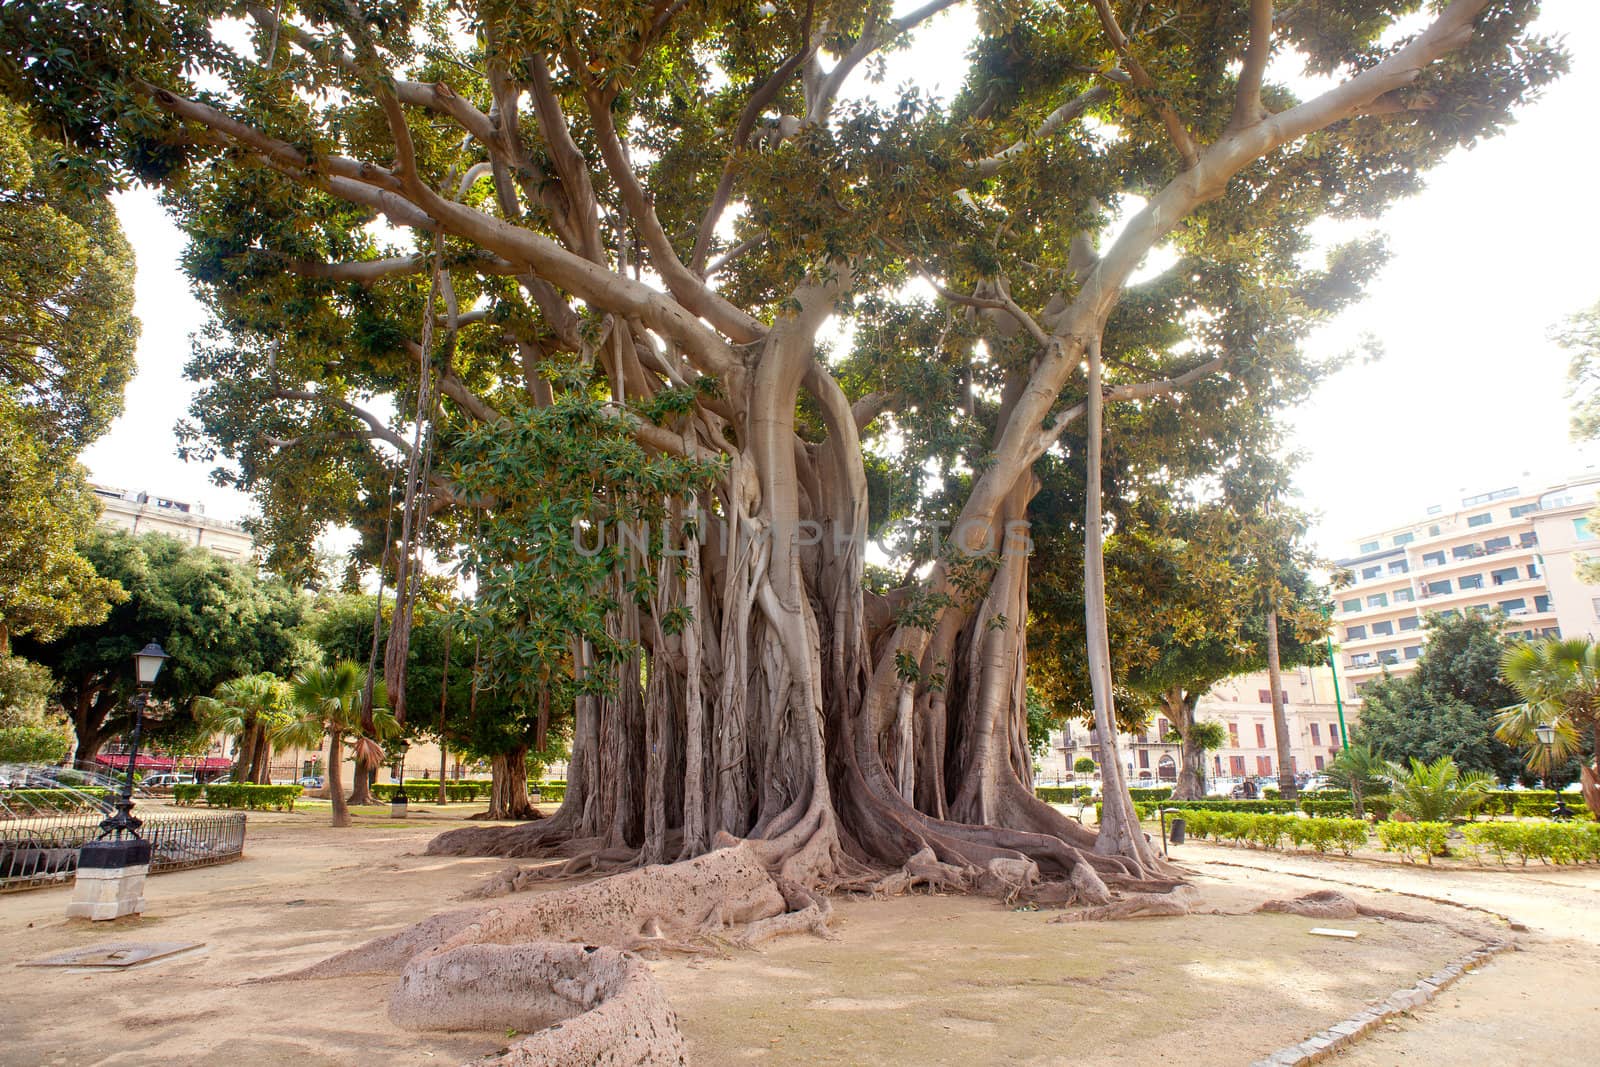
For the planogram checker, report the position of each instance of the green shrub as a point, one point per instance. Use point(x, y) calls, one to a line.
point(551, 792)
point(1411, 839)
point(1548, 841)
point(252, 797)
point(428, 789)
point(187, 794)
point(1061, 794)
point(1267, 830)
point(1538, 809)
point(1163, 792)
point(23, 801)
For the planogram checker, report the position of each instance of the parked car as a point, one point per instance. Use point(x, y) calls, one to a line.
point(311, 781)
point(167, 780)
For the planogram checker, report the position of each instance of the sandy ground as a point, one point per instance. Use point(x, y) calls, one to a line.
point(917, 980)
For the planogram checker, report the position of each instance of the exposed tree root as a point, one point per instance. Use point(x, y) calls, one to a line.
point(579, 1004)
point(1331, 904)
point(1178, 901)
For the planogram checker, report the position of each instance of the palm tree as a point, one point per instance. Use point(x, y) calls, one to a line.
point(1437, 791)
point(1559, 682)
point(249, 709)
point(327, 702)
point(1360, 770)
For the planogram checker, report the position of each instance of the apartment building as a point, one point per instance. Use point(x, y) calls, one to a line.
point(142, 513)
point(1243, 705)
point(1506, 549)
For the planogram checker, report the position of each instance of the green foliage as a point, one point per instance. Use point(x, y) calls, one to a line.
point(1160, 792)
point(1437, 791)
point(550, 792)
point(1413, 839)
point(1061, 794)
point(1270, 830)
point(32, 730)
point(1547, 841)
point(467, 789)
point(245, 795)
point(326, 701)
point(23, 801)
point(1579, 335)
point(1083, 765)
point(67, 336)
point(217, 620)
point(1559, 683)
point(1447, 705)
point(1358, 770)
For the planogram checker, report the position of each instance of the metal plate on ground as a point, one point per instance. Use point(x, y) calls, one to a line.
point(115, 955)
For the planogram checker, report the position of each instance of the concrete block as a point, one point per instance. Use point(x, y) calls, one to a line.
point(101, 893)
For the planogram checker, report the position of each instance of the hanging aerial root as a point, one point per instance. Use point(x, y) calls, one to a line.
point(649, 905)
point(1331, 904)
point(579, 1004)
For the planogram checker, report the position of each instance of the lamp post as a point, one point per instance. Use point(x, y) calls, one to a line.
point(1546, 734)
point(147, 665)
point(112, 868)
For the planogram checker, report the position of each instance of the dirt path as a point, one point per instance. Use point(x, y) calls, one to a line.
point(916, 980)
point(1540, 1005)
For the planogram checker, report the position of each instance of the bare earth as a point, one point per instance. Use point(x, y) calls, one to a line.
point(916, 980)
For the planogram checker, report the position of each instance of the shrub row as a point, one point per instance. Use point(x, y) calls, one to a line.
point(1547, 841)
point(23, 801)
point(1161, 792)
point(1538, 809)
point(240, 795)
point(1270, 831)
point(551, 792)
point(428, 789)
point(1061, 794)
point(1411, 839)
point(1509, 800)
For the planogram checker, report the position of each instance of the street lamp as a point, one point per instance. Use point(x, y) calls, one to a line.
point(1546, 734)
point(112, 868)
point(147, 665)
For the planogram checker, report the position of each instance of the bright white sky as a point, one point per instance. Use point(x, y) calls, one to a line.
point(1469, 394)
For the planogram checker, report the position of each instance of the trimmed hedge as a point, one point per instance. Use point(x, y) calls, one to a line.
point(252, 797)
point(1162, 792)
point(23, 801)
point(1271, 831)
point(551, 792)
point(1551, 842)
point(1061, 794)
point(187, 794)
point(1509, 800)
point(1538, 809)
point(428, 789)
point(1410, 839)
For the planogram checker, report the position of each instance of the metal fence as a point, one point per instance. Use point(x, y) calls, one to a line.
point(44, 850)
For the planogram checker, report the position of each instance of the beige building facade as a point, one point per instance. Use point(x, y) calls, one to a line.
point(1505, 550)
point(139, 512)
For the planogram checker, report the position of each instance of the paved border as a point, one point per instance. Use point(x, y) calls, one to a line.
point(1321, 1045)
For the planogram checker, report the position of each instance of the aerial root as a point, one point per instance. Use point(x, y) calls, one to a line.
point(922, 869)
point(577, 1003)
point(1330, 904)
point(1177, 901)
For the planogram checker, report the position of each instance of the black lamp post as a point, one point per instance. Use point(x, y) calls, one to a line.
point(147, 662)
point(1547, 737)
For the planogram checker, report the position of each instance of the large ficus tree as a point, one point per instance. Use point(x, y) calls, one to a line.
point(469, 209)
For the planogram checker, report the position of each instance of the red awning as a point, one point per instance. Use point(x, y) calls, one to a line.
point(147, 762)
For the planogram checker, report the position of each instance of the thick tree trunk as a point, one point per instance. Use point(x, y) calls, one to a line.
point(341, 811)
point(1280, 715)
point(508, 789)
point(1191, 784)
point(361, 788)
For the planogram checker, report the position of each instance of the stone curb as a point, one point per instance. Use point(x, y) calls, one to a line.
point(1321, 1045)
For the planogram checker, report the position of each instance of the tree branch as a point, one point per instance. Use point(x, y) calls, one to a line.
point(1176, 132)
point(1062, 115)
point(1247, 103)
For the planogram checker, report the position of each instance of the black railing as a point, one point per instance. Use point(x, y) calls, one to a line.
point(44, 850)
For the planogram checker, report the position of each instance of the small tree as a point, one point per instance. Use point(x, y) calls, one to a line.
point(327, 702)
point(1360, 770)
point(249, 709)
point(1437, 791)
point(1559, 682)
point(31, 731)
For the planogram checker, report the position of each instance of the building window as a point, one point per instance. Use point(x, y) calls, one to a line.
point(1261, 735)
point(1388, 657)
point(1433, 559)
point(1233, 735)
point(1550, 631)
point(1439, 588)
point(1481, 519)
point(1519, 510)
point(1398, 566)
point(1368, 573)
point(1404, 539)
point(1144, 759)
point(1351, 633)
point(1319, 762)
point(1316, 734)
point(1528, 540)
point(1383, 629)
point(1378, 600)
point(1514, 604)
point(1216, 764)
point(1236, 766)
point(1410, 622)
point(1466, 552)
point(1580, 529)
point(1264, 766)
point(1470, 581)
point(1333, 731)
point(1403, 596)
point(1413, 652)
point(1265, 695)
point(1497, 544)
point(1533, 570)
point(1370, 546)
point(1541, 602)
point(1504, 575)
point(1351, 605)
point(1361, 659)
point(1433, 531)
